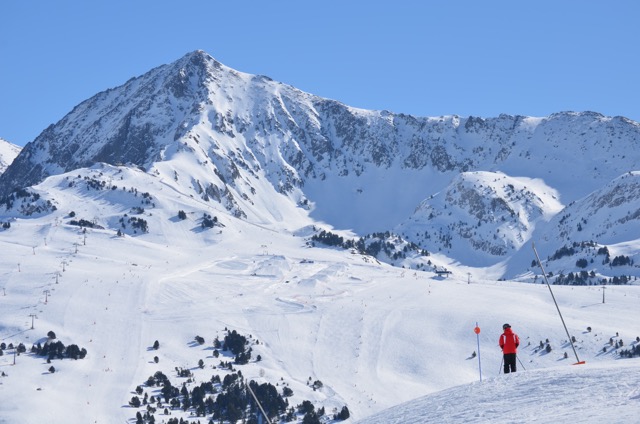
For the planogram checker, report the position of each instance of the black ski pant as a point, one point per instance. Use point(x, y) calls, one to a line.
point(509, 363)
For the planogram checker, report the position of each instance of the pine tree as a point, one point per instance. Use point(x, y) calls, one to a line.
point(135, 402)
point(343, 415)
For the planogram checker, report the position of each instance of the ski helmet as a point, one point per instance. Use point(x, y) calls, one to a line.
point(504, 327)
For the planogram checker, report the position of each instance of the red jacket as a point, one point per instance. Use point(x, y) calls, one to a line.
point(509, 341)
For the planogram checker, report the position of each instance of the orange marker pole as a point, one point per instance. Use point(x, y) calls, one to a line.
point(477, 331)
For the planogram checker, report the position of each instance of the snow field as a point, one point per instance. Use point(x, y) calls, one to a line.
point(374, 335)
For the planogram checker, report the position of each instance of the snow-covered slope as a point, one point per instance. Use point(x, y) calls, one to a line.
point(596, 229)
point(8, 153)
point(482, 215)
point(375, 336)
point(608, 215)
point(602, 393)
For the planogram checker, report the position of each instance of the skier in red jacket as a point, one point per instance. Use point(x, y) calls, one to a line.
point(509, 343)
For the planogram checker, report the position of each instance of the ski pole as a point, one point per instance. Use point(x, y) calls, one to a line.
point(521, 364)
point(500, 369)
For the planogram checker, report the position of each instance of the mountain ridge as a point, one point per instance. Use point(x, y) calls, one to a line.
point(256, 140)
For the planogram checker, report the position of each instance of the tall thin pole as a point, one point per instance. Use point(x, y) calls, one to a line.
point(477, 331)
point(544, 274)
point(258, 402)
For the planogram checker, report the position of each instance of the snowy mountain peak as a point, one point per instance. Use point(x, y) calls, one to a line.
point(259, 149)
point(8, 153)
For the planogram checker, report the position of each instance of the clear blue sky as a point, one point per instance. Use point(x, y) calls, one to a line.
point(421, 57)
